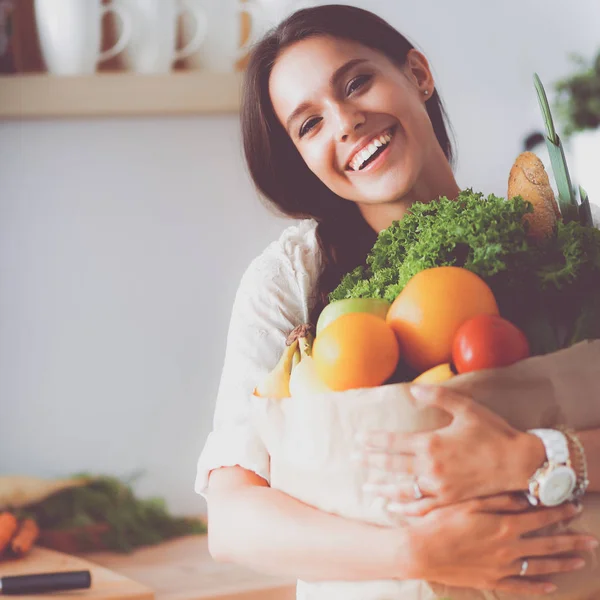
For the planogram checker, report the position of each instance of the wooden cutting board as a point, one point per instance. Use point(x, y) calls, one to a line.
point(182, 569)
point(106, 584)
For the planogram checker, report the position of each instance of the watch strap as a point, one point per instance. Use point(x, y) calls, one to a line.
point(555, 443)
point(556, 446)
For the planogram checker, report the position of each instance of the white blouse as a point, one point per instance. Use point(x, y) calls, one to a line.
point(275, 295)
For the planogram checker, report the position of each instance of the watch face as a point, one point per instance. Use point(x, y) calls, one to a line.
point(557, 486)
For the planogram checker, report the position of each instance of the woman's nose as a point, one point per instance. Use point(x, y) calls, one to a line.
point(348, 121)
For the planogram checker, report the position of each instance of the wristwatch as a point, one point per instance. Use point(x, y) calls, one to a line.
point(555, 481)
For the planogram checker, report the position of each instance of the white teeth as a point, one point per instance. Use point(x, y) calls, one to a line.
point(367, 152)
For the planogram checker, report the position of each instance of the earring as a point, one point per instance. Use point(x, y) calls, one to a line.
point(426, 92)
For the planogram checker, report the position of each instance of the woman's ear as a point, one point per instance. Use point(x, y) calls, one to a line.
point(418, 71)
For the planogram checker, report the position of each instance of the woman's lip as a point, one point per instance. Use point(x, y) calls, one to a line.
point(380, 159)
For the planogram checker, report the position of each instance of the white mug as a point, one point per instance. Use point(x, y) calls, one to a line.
point(153, 47)
point(70, 34)
point(222, 48)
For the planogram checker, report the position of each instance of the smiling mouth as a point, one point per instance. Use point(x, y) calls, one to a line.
point(372, 151)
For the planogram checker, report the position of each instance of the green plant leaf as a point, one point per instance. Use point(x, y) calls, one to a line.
point(585, 210)
point(545, 107)
point(566, 197)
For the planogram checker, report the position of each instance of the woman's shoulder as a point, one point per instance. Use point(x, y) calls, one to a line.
point(298, 238)
point(294, 254)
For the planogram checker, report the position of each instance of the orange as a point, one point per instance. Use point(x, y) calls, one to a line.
point(356, 350)
point(432, 306)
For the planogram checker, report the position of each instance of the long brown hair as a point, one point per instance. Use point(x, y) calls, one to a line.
point(279, 172)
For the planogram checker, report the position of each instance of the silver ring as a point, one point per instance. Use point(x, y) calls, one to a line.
point(417, 489)
point(524, 567)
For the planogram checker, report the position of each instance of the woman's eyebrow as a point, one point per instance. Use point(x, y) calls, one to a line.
point(337, 75)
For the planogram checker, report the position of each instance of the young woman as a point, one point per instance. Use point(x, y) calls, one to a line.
point(343, 129)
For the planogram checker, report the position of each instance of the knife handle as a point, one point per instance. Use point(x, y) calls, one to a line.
point(45, 582)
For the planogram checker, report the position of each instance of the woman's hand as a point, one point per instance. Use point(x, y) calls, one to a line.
point(479, 544)
point(478, 454)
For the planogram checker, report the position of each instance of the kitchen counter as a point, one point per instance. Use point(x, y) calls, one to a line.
point(182, 569)
point(106, 583)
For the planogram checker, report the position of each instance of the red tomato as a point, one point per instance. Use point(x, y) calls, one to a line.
point(488, 342)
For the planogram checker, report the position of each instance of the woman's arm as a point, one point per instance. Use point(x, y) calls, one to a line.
point(475, 544)
point(255, 525)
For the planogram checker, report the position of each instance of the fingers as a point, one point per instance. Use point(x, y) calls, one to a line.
point(403, 490)
point(504, 503)
point(559, 544)
point(522, 587)
point(546, 566)
point(543, 517)
point(389, 441)
point(399, 491)
point(441, 397)
point(386, 461)
point(424, 395)
point(520, 584)
point(419, 508)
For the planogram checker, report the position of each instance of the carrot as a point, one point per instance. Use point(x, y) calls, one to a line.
point(8, 526)
point(25, 538)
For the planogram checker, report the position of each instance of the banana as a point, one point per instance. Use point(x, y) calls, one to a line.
point(304, 380)
point(277, 383)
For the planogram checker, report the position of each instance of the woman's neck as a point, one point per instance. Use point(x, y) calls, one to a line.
point(436, 181)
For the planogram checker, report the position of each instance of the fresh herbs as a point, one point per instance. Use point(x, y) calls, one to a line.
point(546, 288)
point(107, 500)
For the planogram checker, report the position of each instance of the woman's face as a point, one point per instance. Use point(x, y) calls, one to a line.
point(341, 101)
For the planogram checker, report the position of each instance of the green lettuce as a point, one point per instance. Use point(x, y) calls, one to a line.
point(550, 289)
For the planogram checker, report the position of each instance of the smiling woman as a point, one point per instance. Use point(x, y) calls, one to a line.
point(368, 98)
point(343, 128)
point(319, 91)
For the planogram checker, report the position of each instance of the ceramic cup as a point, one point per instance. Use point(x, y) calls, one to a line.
point(153, 47)
point(228, 40)
point(70, 34)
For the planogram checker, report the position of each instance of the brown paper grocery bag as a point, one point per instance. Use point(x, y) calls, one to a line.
point(310, 442)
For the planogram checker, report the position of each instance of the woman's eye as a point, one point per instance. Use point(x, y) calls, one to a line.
point(357, 83)
point(308, 126)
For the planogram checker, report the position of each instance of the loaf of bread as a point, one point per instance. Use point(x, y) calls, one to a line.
point(528, 179)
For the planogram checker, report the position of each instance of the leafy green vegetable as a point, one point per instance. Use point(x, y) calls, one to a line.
point(132, 522)
point(545, 288)
point(578, 99)
point(485, 235)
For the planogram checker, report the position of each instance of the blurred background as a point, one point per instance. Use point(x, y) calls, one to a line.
point(123, 236)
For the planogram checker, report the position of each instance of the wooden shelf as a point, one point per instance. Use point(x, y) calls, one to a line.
point(119, 94)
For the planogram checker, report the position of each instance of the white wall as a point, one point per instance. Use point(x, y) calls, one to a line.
point(122, 242)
